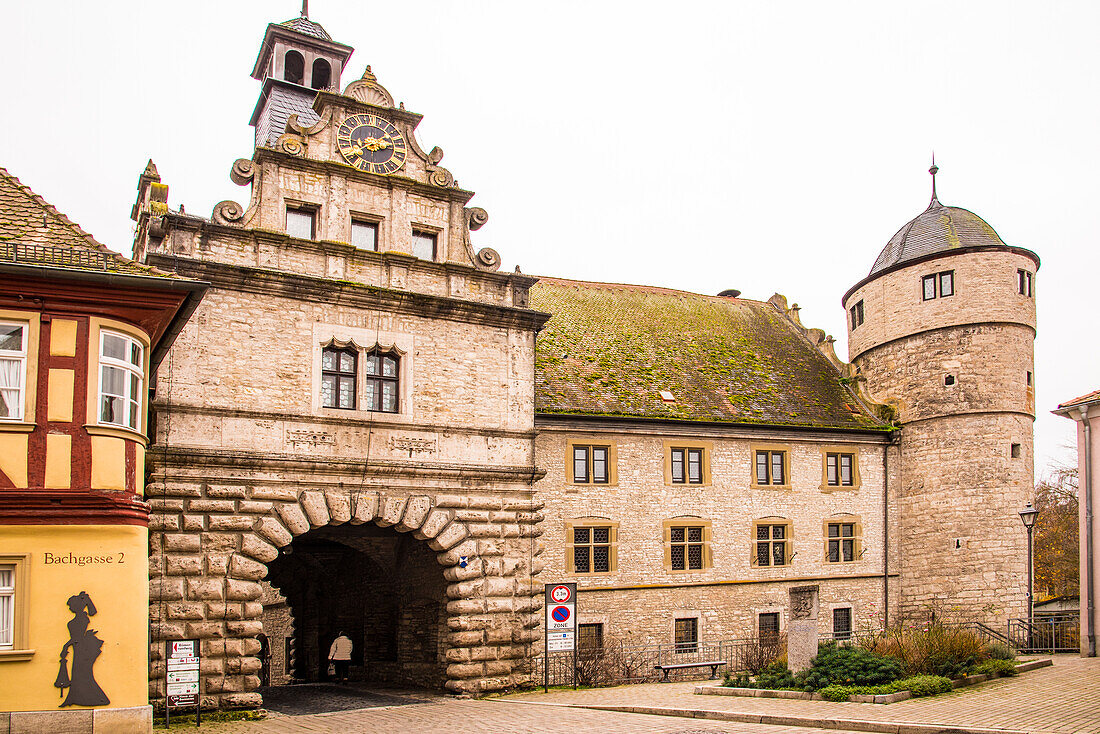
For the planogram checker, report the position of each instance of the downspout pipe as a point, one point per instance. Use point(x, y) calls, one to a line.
point(1090, 584)
point(886, 534)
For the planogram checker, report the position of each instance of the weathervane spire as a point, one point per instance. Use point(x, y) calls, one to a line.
point(934, 170)
point(305, 9)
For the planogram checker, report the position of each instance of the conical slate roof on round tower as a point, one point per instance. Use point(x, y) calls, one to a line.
point(307, 27)
point(938, 228)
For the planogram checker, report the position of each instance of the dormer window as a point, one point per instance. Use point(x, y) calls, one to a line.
point(294, 67)
point(322, 75)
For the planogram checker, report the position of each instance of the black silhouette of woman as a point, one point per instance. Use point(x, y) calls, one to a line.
point(83, 690)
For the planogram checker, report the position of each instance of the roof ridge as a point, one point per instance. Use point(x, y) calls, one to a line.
point(643, 287)
point(91, 241)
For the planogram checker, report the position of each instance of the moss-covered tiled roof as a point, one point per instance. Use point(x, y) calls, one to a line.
point(610, 349)
point(32, 232)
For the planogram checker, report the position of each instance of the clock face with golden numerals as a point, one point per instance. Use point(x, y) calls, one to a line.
point(371, 143)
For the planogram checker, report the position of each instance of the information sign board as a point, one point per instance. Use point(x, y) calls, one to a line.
point(181, 679)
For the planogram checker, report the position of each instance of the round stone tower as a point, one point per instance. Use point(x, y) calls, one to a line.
point(943, 329)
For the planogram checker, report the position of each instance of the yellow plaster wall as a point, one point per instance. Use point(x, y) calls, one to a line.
point(59, 449)
point(108, 463)
point(13, 458)
point(120, 591)
point(59, 395)
point(63, 338)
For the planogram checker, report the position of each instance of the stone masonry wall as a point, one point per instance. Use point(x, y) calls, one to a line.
point(638, 598)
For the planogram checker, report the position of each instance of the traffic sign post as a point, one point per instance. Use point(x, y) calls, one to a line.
point(561, 627)
point(181, 678)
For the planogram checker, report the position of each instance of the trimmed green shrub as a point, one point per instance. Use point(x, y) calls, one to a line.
point(778, 677)
point(835, 693)
point(849, 666)
point(1006, 668)
point(925, 685)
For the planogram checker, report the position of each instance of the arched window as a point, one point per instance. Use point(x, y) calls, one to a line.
point(294, 67)
point(338, 378)
point(322, 74)
point(382, 381)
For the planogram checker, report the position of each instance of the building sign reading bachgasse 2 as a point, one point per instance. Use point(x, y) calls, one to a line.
point(71, 559)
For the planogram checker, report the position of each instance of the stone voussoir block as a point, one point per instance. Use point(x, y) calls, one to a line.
point(416, 510)
point(364, 507)
point(474, 569)
point(241, 590)
point(315, 507)
point(293, 518)
point(339, 506)
point(450, 537)
point(390, 511)
point(274, 531)
point(436, 520)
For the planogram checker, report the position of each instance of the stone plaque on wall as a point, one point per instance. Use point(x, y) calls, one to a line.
point(802, 627)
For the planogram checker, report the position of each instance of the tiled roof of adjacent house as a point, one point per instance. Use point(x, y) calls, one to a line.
point(33, 233)
point(611, 349)
point(938, 228)
point(307, 27)
point(1092, 397)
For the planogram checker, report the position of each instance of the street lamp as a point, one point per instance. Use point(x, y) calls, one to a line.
point(1028, 516)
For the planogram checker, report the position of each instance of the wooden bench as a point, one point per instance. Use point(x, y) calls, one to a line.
point(712, 664)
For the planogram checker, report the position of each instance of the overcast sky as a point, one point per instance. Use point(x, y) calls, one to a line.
point(764, 146)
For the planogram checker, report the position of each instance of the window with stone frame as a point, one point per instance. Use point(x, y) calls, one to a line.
point(121, 380)
point(590, 636)
point(424, 244)
point(14, 623)
point(856, 313)
point(687, 544)
point(13, 369)
point(842, 540)
point(938, 285)
point(840, 469)
point(301, 222)
point(338, 377)
point(7, 606)
point(768, 627)
point(687, 465)
point(364, 235)
point(591, 464)
point(381, 381)
point(842, 623)
point(1023, 282)
point(770, 468)
point(686, 635)
point(772, 543)
point(592, 547)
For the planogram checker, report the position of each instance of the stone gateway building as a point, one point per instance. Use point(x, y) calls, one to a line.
point(367, 429)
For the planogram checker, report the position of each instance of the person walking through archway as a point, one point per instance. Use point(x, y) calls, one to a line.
point(340, 656)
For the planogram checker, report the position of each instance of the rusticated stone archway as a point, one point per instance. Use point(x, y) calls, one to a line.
point(206, 582)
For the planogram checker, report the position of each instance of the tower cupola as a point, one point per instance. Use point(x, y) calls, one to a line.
point(297, 59)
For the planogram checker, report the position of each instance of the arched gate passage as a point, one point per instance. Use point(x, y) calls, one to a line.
point(382, 589)
point(207, 581)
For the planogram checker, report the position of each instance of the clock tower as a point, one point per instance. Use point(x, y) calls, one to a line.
point(345, 430)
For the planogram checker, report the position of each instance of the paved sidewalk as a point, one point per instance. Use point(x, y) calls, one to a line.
point(489, 717)
point(1064, 698)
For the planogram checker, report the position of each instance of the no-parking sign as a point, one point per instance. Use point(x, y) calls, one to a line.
point(561, 617)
